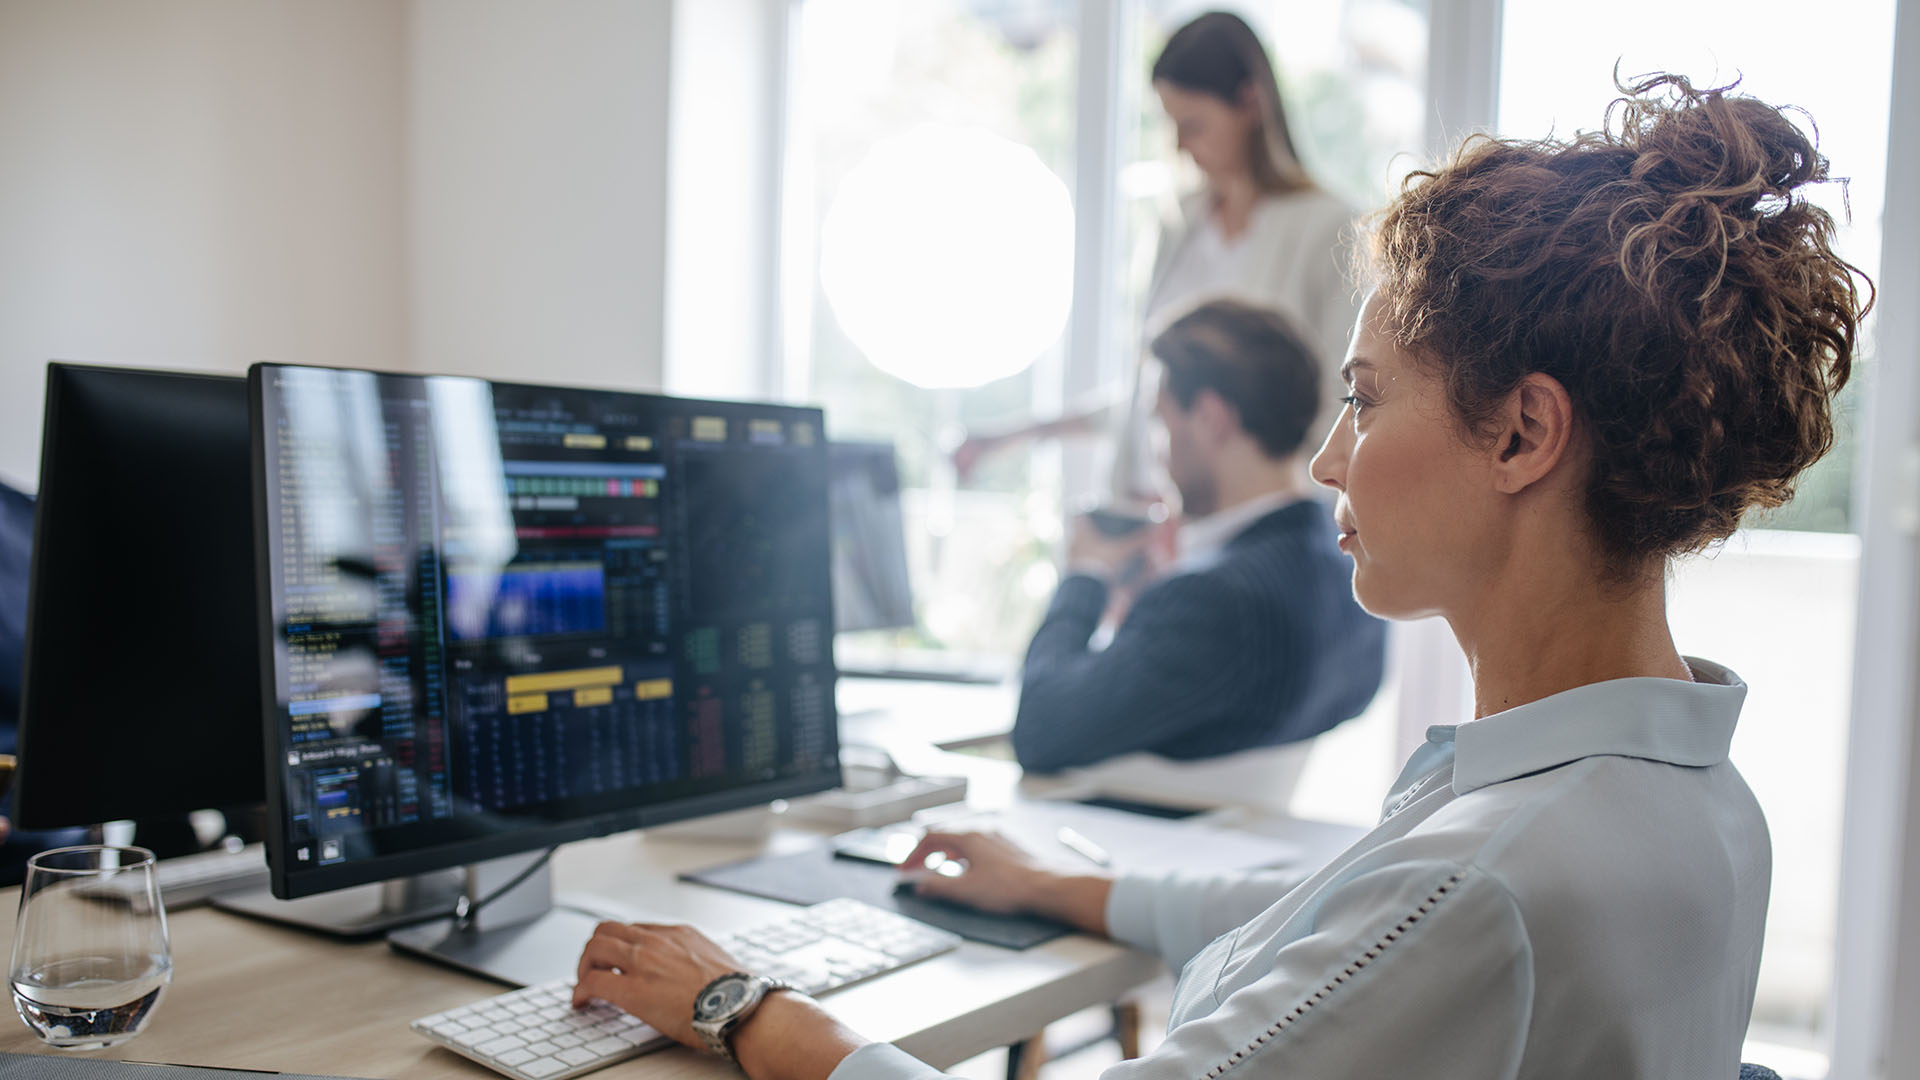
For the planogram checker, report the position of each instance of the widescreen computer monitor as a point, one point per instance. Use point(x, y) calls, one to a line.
point(141, 687)
point(871, 586)
point(499, 617)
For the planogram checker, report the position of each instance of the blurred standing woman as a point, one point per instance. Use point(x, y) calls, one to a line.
point(1258, 229)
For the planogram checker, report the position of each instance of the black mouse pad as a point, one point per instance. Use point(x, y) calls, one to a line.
point(814, 875)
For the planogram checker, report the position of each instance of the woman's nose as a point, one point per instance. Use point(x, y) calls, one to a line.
point(1329, 464)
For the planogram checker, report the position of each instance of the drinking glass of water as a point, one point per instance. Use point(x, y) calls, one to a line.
point(90, 952)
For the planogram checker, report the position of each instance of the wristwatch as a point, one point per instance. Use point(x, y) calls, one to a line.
point(725, 1003)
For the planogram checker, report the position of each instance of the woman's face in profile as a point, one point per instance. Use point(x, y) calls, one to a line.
point(1414, 512)
point(1211, 131)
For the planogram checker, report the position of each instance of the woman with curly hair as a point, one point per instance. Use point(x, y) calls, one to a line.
point(1580, 359)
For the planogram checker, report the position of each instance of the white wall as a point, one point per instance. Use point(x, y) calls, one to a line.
point(475, 186)
point(537, 194)
point(724, 160)
point(195, 184)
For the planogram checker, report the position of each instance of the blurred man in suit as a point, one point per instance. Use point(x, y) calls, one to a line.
point(1250, 635)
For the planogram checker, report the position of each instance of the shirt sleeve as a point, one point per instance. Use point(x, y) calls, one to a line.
point(1420, 969)
point(883, 1061)
point(1172, 667)
point(1176, 915)
point(1413, 970)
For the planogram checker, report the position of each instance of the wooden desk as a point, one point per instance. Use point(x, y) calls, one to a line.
point(251, 995)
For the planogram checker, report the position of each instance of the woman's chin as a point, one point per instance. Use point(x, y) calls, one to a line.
point(1380, 599)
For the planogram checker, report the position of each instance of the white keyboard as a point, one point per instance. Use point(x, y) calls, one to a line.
point(193, 879)
point(536, 1034)
point(186, 880)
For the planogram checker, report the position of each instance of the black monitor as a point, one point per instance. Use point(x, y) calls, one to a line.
point(871, 586)
point(141, 688)
point(499, 617)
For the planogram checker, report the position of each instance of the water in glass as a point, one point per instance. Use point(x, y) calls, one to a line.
point(90, 952)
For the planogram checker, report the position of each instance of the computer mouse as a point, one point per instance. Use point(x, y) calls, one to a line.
point(936, 865)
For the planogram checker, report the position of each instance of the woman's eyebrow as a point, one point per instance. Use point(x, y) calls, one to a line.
point(1346, 369)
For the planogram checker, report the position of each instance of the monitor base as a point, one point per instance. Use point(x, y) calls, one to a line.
point(522, 935)
point(526, 954)
point(360, 912)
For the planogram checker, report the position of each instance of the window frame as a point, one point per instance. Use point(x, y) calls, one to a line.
point(1877, 952)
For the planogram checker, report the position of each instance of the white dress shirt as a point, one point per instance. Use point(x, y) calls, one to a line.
point(1576, 887)
point(1201, 540)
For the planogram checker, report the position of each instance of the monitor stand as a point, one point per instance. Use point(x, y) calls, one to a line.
point(522, 937)
point(360, 912)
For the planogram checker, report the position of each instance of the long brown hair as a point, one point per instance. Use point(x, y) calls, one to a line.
point(1218, 54)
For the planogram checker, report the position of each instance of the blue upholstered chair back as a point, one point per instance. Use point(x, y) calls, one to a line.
point(16, 546)
point(16, 542)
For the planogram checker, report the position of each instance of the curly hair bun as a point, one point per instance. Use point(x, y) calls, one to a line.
point(1668, 272)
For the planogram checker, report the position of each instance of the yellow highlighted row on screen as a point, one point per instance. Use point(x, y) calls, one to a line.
point(547, 681)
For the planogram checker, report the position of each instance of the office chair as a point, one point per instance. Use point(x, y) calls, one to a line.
point(16, 541)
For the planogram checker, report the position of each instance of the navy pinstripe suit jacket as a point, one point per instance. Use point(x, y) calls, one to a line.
point(1264, 646)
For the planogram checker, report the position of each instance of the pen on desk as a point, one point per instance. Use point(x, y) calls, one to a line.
point(1073, 841)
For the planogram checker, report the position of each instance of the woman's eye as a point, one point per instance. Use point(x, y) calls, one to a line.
point(1358, 404)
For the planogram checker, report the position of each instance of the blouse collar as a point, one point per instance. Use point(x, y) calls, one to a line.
point(1680, 723)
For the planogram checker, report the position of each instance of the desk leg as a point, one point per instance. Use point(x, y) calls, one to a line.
point(1024, 1058)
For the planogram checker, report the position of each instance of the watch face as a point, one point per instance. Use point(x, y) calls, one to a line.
point(722, 998)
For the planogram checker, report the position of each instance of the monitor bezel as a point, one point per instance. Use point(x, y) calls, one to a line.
point(287, 885)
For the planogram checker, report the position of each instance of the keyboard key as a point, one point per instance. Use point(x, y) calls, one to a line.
point(545, 1066)
point(516, 1057)
point(579, 1055)
point(500, 1045)
point(635, 1036)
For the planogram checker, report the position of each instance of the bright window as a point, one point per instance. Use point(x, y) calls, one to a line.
point(933, 148)
point(932, 151)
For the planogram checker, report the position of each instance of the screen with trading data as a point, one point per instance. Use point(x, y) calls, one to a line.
point(503, 616)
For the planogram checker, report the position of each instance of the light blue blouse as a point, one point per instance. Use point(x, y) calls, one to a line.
point(1575, 887)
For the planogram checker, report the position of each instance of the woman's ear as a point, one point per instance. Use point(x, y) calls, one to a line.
point(1535, 433)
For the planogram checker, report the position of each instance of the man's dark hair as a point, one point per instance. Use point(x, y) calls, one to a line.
point(1253, 360)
